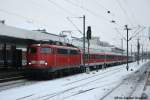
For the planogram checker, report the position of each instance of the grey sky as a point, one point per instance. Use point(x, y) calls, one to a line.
point(52, 15)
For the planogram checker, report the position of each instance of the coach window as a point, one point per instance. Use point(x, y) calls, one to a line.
point(96, 56)
point(45, 50)
point(86, 56)
point(108, 56)
point(93, 56)
point(102, 56)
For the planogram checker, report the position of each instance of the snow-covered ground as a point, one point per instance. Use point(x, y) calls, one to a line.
point(133, 87)
point(83, 86)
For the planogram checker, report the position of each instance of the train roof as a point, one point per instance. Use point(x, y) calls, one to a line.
point(75, 48)
point(95, 48)
point(55, 46)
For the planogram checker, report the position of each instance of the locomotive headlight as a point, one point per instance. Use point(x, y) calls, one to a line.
point(29, 63)
point(45, 63)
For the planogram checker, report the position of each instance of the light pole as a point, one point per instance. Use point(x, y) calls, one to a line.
point(83, 56)
point(126, 28)
point(88, 39)
point(138, 51)
point(131, 51)
point(142, 53)
point(122, 47)
point(83, 41)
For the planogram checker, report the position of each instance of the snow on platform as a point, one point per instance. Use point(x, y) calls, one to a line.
point(134, 87)
point(93, 86)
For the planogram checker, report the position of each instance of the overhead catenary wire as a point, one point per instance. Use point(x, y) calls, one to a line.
point(92, 13)
point(128, 19)
point(106, 9)
point(65, 10)
point(109, 12)
point(32, 21)
point(68, 12)
point(74, 26)
point(113, 15)
point(57, 5)
point(97, 1)
point(83, 8)
point(15, 14)
point(131, 12)
point(39, 5)
point(124, 11)
point(60, 7)
point(135, 32)
point(120, 34)
point(138, 32)
point(86, 9)
point(28, 19)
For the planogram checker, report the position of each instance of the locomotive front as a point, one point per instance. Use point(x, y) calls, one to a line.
point(39, 58)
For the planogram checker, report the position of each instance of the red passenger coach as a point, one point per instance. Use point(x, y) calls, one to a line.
point(51, 58)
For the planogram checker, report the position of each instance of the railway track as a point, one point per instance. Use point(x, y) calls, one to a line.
point(15, 83)
point(147, 83)
point(76, 86)
point(83, 79)
point(73, 89)
point(12, 79)
point(6, 79)
point(15, 79)
point(12, 75)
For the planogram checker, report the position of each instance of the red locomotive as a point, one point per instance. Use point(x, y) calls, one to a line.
point(51, 58)
point(47, 58)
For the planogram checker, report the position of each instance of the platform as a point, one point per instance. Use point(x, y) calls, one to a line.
point(135, 87)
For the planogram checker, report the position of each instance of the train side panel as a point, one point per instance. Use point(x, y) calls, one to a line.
point(52, 58)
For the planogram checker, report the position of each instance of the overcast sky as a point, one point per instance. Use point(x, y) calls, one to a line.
point(52, 15)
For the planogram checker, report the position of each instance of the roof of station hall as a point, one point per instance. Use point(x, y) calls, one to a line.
point(14, 32)
point(18, 33)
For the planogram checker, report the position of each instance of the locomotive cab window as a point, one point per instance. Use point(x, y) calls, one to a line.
point(32, 50)
point(45, 50)
point(74, 52)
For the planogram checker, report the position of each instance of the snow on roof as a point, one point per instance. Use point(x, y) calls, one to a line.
point(10, 31)
point(55, 46)
point(94, 47)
